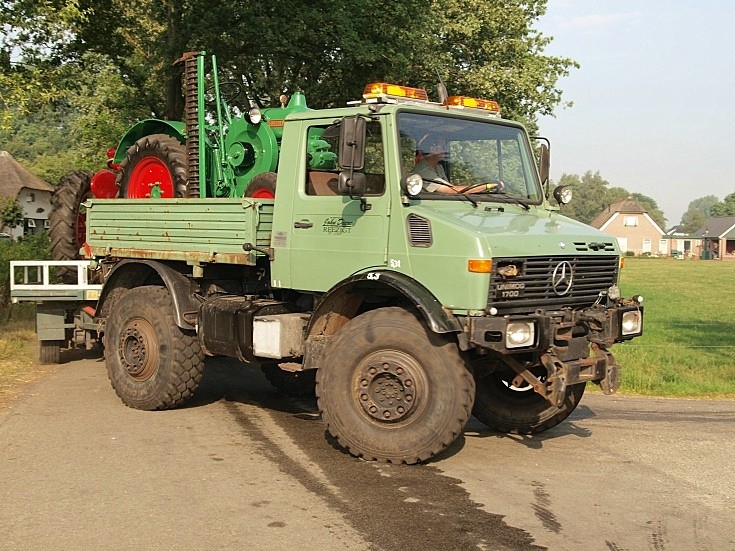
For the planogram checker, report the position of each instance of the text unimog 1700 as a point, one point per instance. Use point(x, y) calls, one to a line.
point(301, 240)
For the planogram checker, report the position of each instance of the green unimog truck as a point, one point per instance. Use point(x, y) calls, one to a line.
point(316, 244)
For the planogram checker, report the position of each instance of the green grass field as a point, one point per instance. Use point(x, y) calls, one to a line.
point(688, 342)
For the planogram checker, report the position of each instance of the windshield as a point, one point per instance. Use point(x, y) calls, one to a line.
point(487, 160)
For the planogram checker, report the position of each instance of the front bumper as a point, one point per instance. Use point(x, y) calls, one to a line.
point(572, 345)
point(568, 333)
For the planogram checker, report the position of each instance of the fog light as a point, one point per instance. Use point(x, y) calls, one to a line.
point(519, 334)
point(631, 323)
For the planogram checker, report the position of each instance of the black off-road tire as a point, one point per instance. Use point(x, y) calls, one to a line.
point(67, 220)
point(263, 183)
point(296, 383)
point(520, 411)
point(49, 352)
point(151, 362)
point(161, 146)
point(391, 390)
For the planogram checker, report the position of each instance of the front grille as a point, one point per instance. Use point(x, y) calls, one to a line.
point(591, 274)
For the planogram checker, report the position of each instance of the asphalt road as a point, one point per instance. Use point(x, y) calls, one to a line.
point(245, 468)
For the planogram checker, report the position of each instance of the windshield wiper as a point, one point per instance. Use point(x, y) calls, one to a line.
point(512, 199)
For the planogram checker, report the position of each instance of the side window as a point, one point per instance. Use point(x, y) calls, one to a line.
point(322, 170)
point(374, 160)
point(321, 161)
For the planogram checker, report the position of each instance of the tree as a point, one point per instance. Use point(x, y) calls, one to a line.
point(328, 49)
point(11, 213)
point(592, 195)
point(697, 213)
point(92, 67)
point(726, 207)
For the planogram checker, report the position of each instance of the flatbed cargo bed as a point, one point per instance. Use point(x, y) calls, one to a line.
point(190, 230)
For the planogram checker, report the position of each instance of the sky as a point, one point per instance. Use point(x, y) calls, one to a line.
point(653, 100)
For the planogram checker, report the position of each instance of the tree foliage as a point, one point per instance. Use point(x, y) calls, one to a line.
point(593, 194)
point(726, 207)
point(696, 215)
point(11, 213)
point(101, 62)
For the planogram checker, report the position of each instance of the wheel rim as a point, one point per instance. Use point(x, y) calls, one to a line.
point(263, 193)
point(390, 386)
point(138, 349)
point(503, 382)
point(150, 178)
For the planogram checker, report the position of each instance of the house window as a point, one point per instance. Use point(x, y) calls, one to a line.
point(663, 247)
point(31, 197)
point(46, 224)
point(31, 223)
point(630, 221)
point(646, 245)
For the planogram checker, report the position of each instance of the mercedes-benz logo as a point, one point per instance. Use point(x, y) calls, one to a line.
point(561, 279)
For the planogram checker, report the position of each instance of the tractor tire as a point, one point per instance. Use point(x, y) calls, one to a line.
point(391, 390)
point(505, 408)
point(68, 220)
point(155, 167)
point(151, 362)
point(49, 352)
point(296, 383)
point(262, 186)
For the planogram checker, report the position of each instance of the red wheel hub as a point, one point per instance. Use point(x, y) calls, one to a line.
point(263, 193)
point(150, 178)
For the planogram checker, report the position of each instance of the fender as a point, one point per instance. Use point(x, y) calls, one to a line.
point(344, 299)
point(175, 129)
point(128, 274)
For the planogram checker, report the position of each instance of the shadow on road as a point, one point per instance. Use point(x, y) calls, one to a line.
point(569, 427)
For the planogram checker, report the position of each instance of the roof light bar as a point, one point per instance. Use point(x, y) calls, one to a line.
point(383, 90)
point(473, 103)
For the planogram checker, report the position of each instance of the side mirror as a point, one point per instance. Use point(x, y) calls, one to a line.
point(544, 163)
point(352, 183)
point(352, 143)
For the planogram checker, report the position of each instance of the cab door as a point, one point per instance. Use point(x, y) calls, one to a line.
point(332, 235)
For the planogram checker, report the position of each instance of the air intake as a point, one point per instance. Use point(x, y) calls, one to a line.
point(419, 231)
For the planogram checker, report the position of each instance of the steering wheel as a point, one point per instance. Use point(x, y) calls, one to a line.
point(440, 182)
point(228, 92)
point(499, 186)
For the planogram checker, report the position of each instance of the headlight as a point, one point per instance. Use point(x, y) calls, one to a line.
point(412, 184)
point(630, 324)
point(254, 115)
point(520, 334)
point(563, 194)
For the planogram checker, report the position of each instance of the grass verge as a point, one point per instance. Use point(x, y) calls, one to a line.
point(18, 363)
point(688, 342)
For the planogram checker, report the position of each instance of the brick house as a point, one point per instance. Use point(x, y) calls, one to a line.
point(718, 235)
point(635, 230)
point(684, 245)
point(34, 195)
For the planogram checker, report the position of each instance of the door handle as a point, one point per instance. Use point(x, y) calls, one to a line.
point(303, 224)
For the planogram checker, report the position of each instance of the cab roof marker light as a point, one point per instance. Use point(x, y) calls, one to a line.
point(473, 103)
point(380, 90)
